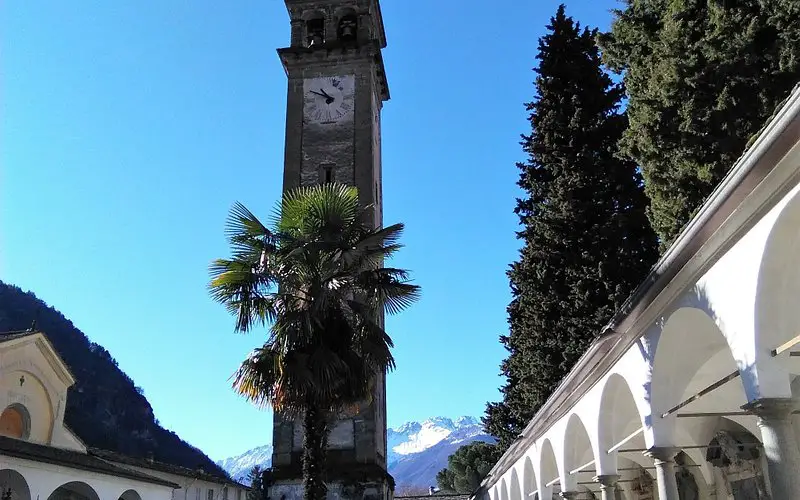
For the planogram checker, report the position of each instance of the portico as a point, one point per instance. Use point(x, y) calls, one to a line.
point(691, 391)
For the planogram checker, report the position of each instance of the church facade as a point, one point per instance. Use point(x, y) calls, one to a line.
point(42, 459)
point(692, 390)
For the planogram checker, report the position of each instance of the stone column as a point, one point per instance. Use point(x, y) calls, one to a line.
point(664, 458)
point(780, 444)
point(608, 486)
point(298, 32)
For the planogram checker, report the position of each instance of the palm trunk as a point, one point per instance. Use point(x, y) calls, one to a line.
point(315, 444)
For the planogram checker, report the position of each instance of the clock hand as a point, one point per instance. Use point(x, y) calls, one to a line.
point(328, 98)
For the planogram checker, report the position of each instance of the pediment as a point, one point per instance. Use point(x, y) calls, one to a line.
point(33, 352)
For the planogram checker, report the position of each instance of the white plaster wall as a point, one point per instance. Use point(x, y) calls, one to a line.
point(64, 438)
point(191, 488)
point(44, 479)
point(731, 286)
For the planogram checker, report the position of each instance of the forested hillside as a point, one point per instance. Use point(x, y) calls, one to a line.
point(104, 407)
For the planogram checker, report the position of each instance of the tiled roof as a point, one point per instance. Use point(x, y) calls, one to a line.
point(6, 336)
point(39, 453)
point(163, 467)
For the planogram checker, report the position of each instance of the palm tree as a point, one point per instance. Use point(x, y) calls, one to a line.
point(317, 279)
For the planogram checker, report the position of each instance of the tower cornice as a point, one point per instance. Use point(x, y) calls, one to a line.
point(333, 54)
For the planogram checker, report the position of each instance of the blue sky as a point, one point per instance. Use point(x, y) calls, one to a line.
point(128, 128)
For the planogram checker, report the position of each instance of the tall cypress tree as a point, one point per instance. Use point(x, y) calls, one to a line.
point(702, 76)
point(587, 241)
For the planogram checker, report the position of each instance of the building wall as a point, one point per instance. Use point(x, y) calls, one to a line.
point(30, 378)
point(43, 479)
point(195, 489)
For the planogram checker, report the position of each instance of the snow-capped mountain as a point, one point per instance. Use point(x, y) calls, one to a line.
point(417, 450)
point(239, 467)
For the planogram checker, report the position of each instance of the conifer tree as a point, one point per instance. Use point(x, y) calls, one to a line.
point(257, 490)
point(703, 76)
point(587, 241)
point(467, 467)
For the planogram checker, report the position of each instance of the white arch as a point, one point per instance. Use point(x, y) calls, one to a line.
point(130, 494)
point(516, 486)
point(619, 417)
point(503, 490)
point(78, 487)
point(777, 315)
point(577, 451)
point(15, 481)
point(528, 478)
point(548, 469)
point(688, 340)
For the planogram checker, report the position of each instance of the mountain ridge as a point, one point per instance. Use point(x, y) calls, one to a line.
point(417, 451)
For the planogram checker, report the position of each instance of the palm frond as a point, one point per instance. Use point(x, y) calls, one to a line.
point(245, 293)
point(318, 279)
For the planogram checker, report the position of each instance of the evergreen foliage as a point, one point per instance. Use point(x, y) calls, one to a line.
point(104, 408)
point(256, 479)
point(467, 467)
point(702, 77)
point(587, 241)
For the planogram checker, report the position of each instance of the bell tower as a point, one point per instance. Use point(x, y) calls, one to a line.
point(336, 90)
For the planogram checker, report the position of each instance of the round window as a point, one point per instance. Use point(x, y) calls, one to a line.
point(15, 422)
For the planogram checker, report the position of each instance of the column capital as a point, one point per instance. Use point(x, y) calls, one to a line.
point(606, 480)
point(569, 495)
point(662, 453)
point(771, 408)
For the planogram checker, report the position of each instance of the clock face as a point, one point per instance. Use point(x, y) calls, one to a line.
point(330, 99)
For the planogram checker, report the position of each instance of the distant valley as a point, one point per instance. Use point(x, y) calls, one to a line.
point(417, 450)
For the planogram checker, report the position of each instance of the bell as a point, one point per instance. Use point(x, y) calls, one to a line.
point(348, 31)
